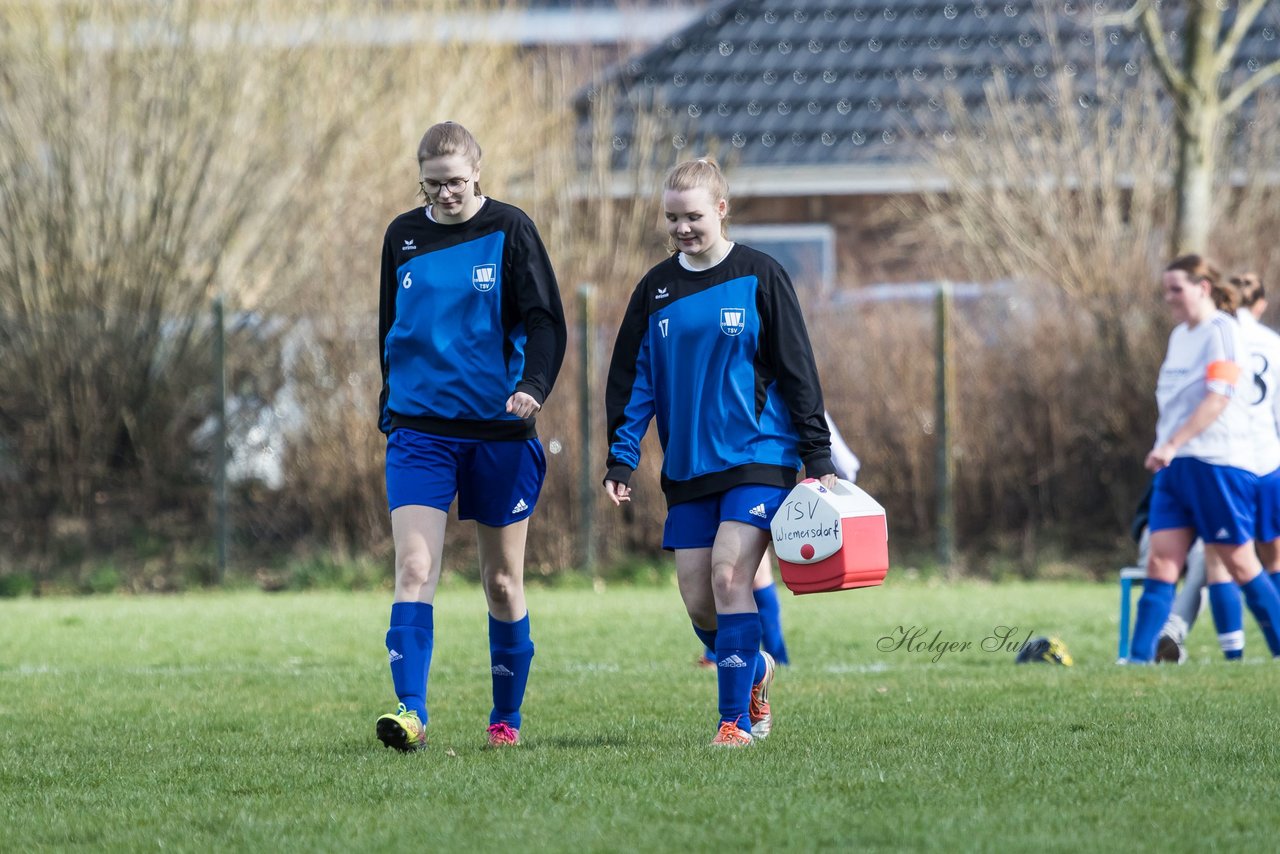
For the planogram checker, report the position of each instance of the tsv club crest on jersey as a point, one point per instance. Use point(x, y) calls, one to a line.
point(484, 277)
point(732, 320)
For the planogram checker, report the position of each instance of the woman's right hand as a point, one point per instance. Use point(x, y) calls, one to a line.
point(618, 492)
point(1159, 457)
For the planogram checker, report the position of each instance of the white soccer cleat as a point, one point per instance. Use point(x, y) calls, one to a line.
point(758, 712)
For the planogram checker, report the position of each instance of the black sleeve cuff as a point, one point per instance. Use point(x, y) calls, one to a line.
point(531, 389)
point(818, 466)
point(619, 474)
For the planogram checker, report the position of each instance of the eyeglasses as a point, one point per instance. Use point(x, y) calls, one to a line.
point(453, 185)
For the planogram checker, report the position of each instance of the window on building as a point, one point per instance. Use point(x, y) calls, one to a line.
point(806, 251)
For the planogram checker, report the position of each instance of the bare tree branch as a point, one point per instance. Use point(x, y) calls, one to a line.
point(1125, 19)
point(1244, 19)
point(1242, 92)
point(1174, 80)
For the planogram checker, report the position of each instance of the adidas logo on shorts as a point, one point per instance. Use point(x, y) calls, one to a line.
point(1222, 534)
point(758, 510)
point(501, 670)
point(520, 507)
point(732, 661)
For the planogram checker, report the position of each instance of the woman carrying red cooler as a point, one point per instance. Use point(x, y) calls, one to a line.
point(713, 345)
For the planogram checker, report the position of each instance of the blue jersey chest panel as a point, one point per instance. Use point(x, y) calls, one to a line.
point(701, 353)
point(448, 354)
point(714, 330)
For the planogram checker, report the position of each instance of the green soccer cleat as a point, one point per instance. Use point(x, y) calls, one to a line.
point(402, 730)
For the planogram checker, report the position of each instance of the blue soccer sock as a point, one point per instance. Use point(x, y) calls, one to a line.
point(1264, 603)
point(1275, 580)
point(1154, 606)
point(737, 654)
point(510, 654)
point(409, 643)
point(708, 638)
point(1228, 618)
point(771, 623)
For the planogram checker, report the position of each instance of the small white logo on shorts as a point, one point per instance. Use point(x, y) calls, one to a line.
point(520, 507)
point(732, 661)
point(392, 655)
point(484, 276)
point(501, 670)
point(1222, 534)
point(759, 510)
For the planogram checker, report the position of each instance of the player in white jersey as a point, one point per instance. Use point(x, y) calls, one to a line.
point(1203, 455)
point(1264, 354)
point(1263, 346)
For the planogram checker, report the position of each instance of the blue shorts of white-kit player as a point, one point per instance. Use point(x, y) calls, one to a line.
point(693, 524)
point(1267, 525)
point(497, 482)
point(1219, 503)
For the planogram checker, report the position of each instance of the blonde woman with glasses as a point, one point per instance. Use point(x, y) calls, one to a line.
point(472, 336)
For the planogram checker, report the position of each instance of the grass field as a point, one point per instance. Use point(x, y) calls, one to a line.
point(245, 722)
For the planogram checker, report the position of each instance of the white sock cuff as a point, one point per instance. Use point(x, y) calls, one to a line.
point(1231, 641)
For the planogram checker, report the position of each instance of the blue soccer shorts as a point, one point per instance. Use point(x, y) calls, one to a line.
point(1267, 529)
point(1218, 502)
point(693, 524)
point(496, 482)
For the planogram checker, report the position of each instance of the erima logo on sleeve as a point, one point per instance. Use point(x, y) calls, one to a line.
point(409, 244)
point(732, 321)
point(484, 276)
point(662, 294)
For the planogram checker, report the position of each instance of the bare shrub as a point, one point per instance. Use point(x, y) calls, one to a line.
point(151, 155)
point(1068, 206)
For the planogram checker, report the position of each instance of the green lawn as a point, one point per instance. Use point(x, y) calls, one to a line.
point(245, 722)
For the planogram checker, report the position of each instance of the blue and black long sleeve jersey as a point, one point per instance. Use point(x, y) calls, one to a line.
point(722, 360)
point(470, 313)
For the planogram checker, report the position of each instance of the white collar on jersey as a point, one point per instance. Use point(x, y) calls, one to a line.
point(684, 260)
point(427, 209)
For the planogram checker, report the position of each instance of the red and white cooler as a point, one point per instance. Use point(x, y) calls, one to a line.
point(830, 539)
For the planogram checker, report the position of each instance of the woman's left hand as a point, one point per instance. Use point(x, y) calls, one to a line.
point(828, 480)
point(522, 405)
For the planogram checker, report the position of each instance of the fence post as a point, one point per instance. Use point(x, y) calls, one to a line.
point(221, 534)
point(586, 415)
point(944, 395)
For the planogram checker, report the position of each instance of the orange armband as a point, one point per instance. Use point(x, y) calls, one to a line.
point(1228, 372)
